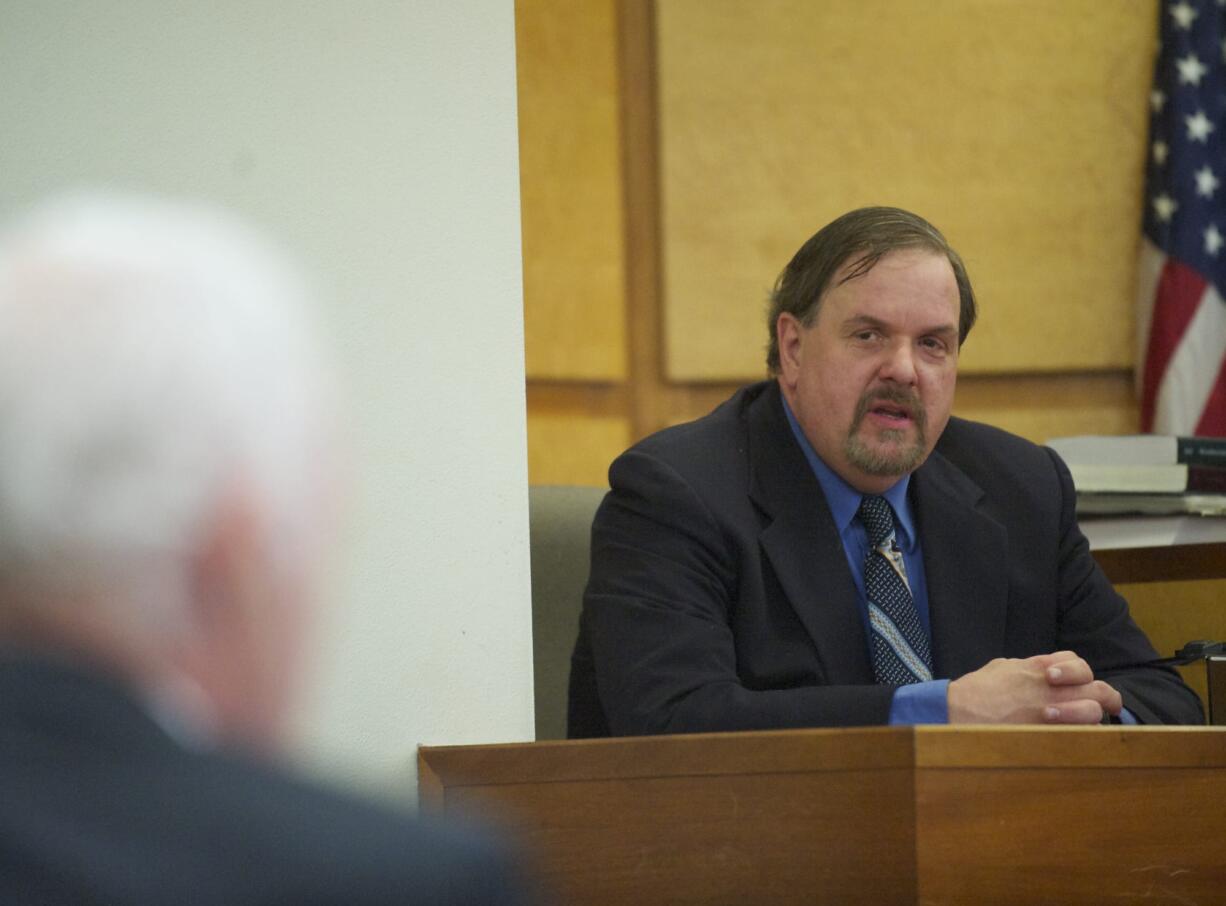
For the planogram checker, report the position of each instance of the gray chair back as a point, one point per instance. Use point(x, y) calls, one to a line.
point(560, 529)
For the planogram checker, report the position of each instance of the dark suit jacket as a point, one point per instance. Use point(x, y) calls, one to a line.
point(98, 805)
point(720, 597)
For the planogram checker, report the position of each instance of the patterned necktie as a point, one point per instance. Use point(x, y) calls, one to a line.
point(900, 646)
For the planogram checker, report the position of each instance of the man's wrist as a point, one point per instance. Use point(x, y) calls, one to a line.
point(921, 703)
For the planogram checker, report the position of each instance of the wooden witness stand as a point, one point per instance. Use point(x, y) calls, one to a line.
point(875, 815)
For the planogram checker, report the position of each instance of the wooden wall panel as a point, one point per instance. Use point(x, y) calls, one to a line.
point(1173, 613)
point(1042, 406)
point(571, 189)
point(1017, 126)
point(1035, 406)
point(583, 72)
point(574, 448)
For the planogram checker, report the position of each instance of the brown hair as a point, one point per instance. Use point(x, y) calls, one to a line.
point(865, 234)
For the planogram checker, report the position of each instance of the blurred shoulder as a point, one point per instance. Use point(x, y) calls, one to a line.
point(318, 840)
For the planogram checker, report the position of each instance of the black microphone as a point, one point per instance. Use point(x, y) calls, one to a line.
point(1190, 654)
point(1214, 656)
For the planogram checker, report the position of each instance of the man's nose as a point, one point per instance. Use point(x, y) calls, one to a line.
point(899, 364)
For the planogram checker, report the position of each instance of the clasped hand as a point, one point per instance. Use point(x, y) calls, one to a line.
point(1057, 688)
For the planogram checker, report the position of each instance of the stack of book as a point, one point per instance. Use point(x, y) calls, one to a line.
point(1147, 474)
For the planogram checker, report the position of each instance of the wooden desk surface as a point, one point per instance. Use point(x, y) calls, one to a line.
point(450, 768)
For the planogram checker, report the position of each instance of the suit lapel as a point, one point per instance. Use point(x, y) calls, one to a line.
point(965, 565)
point(803, 545)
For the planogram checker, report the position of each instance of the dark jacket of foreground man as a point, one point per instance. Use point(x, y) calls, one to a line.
point(99, 804)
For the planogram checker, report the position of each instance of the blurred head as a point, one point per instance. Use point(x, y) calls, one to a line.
point(867, 323)
point(163, 478)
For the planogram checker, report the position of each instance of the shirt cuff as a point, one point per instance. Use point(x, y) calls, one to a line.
point(1128, 718)
point(923, 703)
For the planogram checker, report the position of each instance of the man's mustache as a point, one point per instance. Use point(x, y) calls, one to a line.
point(907, 400)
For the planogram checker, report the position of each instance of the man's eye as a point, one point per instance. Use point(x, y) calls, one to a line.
point(933, 344)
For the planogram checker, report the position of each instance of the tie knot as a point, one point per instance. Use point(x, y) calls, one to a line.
point(877, 517)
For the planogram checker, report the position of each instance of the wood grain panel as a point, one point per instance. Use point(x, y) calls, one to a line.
point(1017, 127)
point(730, 839)
point(702, 818)
point(1070, 834)
point(691, 754)
point(1056, 747)
point(639, 101)
point(574, 448)
point(925, 814)
point(1035, 406)
point(1163, 563)
point(571, 189)
point(1042, 406)
point(1172, 613)
point(575, 431)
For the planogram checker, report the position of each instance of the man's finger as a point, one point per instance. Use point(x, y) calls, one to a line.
point(1071, 672)
point(1055, 657)
point(1107, 696)
point(1098, 691)
point(1081, 711)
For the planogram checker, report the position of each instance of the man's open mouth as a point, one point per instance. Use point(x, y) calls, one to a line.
point(893, 412)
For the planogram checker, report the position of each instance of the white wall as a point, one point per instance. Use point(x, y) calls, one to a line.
point(378, 139)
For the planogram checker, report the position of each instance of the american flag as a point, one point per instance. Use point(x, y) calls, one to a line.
point(1181, 323)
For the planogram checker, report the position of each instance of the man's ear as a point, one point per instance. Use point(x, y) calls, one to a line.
point(790, 333)
point(224, 566)
point(233, 647)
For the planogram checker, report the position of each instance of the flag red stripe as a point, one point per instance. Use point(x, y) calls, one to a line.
point(1180, 290)
point(1213, 419)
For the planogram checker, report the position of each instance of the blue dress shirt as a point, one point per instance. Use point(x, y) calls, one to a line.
point(917, 703)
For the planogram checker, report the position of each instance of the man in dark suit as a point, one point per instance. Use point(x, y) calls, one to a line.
point(164, 502)
point(830, 547)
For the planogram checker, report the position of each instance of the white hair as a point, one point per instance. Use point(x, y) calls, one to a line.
point(151, 355)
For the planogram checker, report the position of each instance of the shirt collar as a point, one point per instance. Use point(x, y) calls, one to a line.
point(843, 499)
